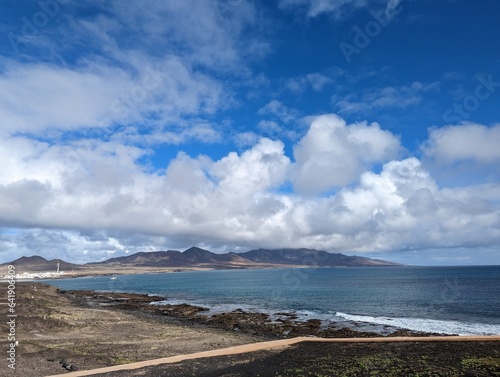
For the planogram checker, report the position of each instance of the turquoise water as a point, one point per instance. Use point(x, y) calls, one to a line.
point(463, 300)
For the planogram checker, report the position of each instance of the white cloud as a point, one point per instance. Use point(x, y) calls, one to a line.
point(338, 8)
point(334, 154)
point(316, 81)
point(279, 110)
point(91, 199)
point(489, 192)
point(40, 98)
point(269, 127)
point(149, 79)
point(211, 33)
point(257, 170)
point(35, 98)
point(468, 141)
point(401, 208)
point(245, 139)
point(199, 131)
point(317, 7)
point(387, 97)
point(464, 155)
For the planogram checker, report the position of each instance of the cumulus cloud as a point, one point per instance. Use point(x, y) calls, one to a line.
point(261, 168)
point(401, 208)
point(334, 154)
point(105, 187)
point(468, 141)
point(91, 200)
point(464, 155)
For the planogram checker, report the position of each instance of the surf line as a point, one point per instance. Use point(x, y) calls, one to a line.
point(252, 347)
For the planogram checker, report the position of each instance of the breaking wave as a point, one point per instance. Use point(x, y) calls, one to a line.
point(427, 325)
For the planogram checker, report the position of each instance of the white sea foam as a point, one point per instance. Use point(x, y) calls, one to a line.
point(376, 324)
point(170, 302)
point(212, 308)
point(427, 325)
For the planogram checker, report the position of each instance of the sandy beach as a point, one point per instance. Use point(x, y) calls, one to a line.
point(91, 330)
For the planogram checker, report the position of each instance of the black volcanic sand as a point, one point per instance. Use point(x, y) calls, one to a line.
point(93, 330)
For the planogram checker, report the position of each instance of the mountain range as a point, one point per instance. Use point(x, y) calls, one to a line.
point(196, 257)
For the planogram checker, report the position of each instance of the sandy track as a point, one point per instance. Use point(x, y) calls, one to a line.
point(270, 345)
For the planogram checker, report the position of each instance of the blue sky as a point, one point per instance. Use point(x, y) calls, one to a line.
point(354, 126)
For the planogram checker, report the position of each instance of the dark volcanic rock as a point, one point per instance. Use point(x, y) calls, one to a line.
point(287, 326)
point(181, 310)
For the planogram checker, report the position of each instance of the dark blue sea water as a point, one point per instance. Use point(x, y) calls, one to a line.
point(453, 300)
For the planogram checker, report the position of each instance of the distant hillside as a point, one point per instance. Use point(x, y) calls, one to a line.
point(310, 257)
point(195, 257)
point(192, 257)
point(170, 258)
point(36, 263)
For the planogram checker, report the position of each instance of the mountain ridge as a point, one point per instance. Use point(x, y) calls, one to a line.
point(196, 257)
point(37, 263)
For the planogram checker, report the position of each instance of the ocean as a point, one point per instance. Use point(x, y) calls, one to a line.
point(448, 300)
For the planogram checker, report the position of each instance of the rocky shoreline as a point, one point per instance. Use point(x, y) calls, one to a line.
point(60, 331)
point(276, 325)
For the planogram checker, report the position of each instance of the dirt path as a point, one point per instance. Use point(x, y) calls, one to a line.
point(273, 344)
point(50, 327)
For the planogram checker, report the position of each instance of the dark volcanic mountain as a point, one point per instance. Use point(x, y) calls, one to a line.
point(192, 257)
point(310, 257)
point(170, 258)
point(195, 257)
point(40, 264)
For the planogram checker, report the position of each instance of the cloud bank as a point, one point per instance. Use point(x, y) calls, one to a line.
point(93, 200)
